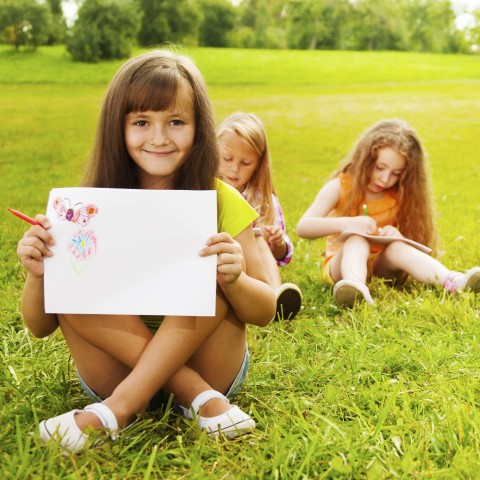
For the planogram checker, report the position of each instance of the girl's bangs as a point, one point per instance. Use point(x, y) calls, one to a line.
point(154, 91)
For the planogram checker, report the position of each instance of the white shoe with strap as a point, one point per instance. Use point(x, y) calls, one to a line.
point(65, 430)
point(232, 423)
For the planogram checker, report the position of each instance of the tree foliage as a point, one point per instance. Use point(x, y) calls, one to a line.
point(59, 25)
point(316, 24)
point(218, 19)
point(175, 21)
point(105, 29)
point(108, 28)
point(25, 23)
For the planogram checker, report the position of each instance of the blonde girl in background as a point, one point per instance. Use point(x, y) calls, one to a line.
point(246, 165)
point(156, 131)
point(382, 188)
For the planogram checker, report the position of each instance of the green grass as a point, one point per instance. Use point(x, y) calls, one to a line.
point(385, 392)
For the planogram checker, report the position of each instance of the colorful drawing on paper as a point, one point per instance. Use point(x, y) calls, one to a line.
point(83, 244)
point(79, 214)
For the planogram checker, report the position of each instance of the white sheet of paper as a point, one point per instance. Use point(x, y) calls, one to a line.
point(137, 254)
point(385, 240)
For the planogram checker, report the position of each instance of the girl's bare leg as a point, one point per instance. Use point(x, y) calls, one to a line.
point(399, 257)
point(271, 270)
point(138, 364)
point(208, 368)
point(350, 262)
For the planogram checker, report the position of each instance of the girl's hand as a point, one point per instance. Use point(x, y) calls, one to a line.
point(389, 231)
point(230, 260)
point(273, 235)
point(33, 246)
point(361, 224)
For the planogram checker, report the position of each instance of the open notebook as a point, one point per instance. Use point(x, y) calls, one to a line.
point(384, 240)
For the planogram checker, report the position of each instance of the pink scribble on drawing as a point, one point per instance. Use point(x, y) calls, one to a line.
point(79, 214)
point(83, 245)
point(60, 207)
point(83, 215)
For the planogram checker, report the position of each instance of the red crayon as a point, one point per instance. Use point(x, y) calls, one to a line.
point(23, 216)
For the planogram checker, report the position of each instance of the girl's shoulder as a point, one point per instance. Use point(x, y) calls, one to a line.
point(344, 180)
point(226, 191)
point(334, 186)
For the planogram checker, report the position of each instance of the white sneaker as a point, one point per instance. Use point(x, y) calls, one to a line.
point(347, 292)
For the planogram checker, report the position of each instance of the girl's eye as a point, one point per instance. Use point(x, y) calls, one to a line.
point(245, 164)
point(140, 123)
point(227, 159)
point(176, 122)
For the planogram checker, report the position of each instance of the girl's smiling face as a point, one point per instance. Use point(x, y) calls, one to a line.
point(386, 172)
point(238, 160)
point(159, 142)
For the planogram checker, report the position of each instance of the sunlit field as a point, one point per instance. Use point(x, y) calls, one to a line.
point(389, 391)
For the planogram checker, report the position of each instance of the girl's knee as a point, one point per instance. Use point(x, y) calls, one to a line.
point(396, 248)
point(356, 242)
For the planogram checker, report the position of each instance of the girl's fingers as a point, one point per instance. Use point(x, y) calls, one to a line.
point(216, 250)
point(220, 237)
point(28, 243)
point(222, 247)
point(40, 232)
point(43, 221)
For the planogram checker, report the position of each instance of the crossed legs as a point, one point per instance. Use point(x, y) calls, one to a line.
point(122, 361)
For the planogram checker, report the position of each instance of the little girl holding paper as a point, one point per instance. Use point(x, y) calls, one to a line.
point(382, 188)
point(156, 131)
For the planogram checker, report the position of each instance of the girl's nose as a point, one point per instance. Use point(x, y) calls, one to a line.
point(157, 136)
point(384, 177)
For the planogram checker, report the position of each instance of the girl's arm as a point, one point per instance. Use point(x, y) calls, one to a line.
point(31, 250)
point(276, 235)
point(277, 241)
point(241, 277)
point(315, 223)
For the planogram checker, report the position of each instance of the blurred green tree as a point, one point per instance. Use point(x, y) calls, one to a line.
point(317, 24)
point(59, 25)
point(104, 29)
point(169, 21)
point(25, 23)
point(219, 18)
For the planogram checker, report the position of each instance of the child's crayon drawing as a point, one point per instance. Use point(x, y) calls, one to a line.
point(84, 242)
point(79, 214)
point(83, 245)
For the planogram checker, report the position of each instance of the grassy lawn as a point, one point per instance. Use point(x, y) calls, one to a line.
point(389, 391)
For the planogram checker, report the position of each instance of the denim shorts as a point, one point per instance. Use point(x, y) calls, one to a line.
point(233, 390)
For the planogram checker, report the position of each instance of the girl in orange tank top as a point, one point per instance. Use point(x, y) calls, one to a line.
point(381, 189)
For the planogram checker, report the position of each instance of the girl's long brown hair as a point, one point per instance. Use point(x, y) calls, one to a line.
point(259, 189)
point(150, 82)
point(416, 217)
